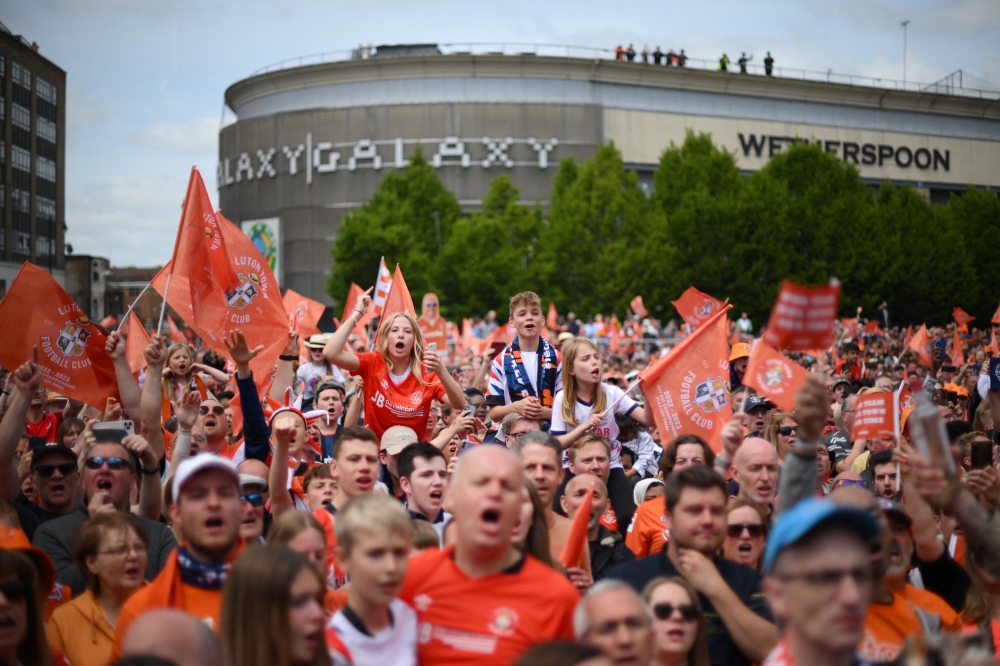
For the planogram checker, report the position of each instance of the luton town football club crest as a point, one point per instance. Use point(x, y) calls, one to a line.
point(711, 395)
point(73, 337)
point(243, 295)
point(774, 376)
point(705, 309)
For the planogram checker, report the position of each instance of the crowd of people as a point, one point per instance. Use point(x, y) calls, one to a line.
point(397, 501)
point(673, 59)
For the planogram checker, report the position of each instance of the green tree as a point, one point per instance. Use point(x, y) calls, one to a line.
point(398, 222)
point(977, 216)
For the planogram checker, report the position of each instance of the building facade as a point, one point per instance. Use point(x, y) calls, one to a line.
point(32, 160)
point(312, 142)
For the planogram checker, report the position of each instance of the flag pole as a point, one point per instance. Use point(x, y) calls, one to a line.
point(129, 311)
point(619, 398)
point(163, 309)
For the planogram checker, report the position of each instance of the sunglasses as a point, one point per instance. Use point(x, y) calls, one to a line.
point(255, 499)
point(114, 462)
point(852, 482)
point(736, 531)
point(785, 431)
point(430, 304)
point(46, 471)
point(14, 591)
point(218, 410)
point(689, 612)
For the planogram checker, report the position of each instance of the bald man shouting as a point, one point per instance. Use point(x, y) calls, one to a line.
point(755, 468)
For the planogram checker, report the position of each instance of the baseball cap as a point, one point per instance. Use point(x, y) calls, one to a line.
point(893, 508)
point(317, 341)
point(397, 438)
point(43, 450)
point(253, 480)
point(192, 467)
point(755, 402)
point(14, 538)
point(798, 522)
point(740, 350)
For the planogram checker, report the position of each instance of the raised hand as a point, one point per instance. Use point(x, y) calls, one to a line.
point(239, 349)
point(115, 346)
point(156, 351)
point(432, 361)
point(812, 404)
point(28, 377)
point(112, 411)
point(187, 409)
point(293, 343)
point(138, 445)
point(364, 302)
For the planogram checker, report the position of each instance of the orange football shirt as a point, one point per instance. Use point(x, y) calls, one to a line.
point(388, 404)
point(886, 629)
point(649, 530)
point(489, 621)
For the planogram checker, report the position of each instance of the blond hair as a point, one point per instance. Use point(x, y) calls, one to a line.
point(525, 298)
point(170, 383)
point(370, 511)
point(588, 438)
point(570, 350)
point(416, 354)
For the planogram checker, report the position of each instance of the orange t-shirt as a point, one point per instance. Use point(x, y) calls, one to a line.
point(490, 620)
point(886, 629)
point(649, 531)
point(932, 603)
point(388, 404)
point(436, 332)
point(204, 605)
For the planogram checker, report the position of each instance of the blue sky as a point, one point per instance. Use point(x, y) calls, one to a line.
point(146, 77)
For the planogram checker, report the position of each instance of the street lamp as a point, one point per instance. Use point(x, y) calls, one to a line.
point(905, 23)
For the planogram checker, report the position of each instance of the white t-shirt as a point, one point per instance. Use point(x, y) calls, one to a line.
point(396, 645)
point(310, 374)
point(607, 427)
point(530, 361)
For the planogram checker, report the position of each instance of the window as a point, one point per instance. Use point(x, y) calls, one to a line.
point(20, 116)
point(45, 208)
point(46, 129)
point(46, 91)
point(45, 247)
point(20, 158)
point(3, 107)
point(22, 243)
point(21, 75)
point(46, 168)
point(3, 152)
point(22, 200)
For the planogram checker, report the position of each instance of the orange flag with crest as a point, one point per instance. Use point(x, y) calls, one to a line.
point(962, 318)
point(688, 389)
point(696, 307)
point(774, 375)
point(399, 299)
point(921, 343)
point(350, 304)
point(135, 343)
point(303, 313)
point(39, 313)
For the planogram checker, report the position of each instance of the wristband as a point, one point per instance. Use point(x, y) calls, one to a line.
point(149, 472)
point(288, 357)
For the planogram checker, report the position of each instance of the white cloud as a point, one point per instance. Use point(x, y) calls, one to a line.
point(200, 135)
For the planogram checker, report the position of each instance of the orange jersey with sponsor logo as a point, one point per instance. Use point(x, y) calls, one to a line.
point(490, 620)
point(388, 404)
point(886, 629)
point(649, 530)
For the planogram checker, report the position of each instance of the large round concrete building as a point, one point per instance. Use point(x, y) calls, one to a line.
point(313, 137)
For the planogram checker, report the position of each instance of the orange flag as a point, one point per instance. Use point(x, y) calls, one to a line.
point(688, 389)
point(850, 326)
point(921, 344)
point(175, 333)
point(802, 317)
point(39, 313)
point(993, 342)
point(775, 376)
point(399, 299)
point(957, 357)
point(962, 318)
point(467, 336)
point(615, 333)
point(695, 307)
point(873, 417)
point(303, 313)
point(552, 318)
point(254, 307)
point(996, 316)
point(872, 328)
point(638, 308)
point(572, 552)
point(201, 260)
point(108, 321)
point(350, 303)
point(909, 336)
point(136, 343)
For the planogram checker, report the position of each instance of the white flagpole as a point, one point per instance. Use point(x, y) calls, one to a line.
point(613, 404)
point(129, 311)
point(163, 309)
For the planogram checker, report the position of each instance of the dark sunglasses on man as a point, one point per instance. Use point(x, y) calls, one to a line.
point(114, 463)
point(736, 531)
point(689, 612)
point(218, 410)
point(256, 499)
point(46, 471)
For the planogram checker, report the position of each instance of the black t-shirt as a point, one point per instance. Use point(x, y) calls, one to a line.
point(945, 578)
point(32, 515)
point(742, 580)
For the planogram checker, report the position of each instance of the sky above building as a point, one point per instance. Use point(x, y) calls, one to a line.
point(146, 78)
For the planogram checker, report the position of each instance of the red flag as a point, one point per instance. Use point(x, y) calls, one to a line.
point(921, 344)
point(552, 318)
point(638, 308)
point(802, 317)
point(136, 343)
point(572, 551)
point(688, 389)
point(175, 333)
point(38, 312)
point(957, 357)
point(200, 259)
point(774, 376)
point(996, 316)
point(873, 417)
point(399, 299)
point(909, 336)
point(108, 321)
point(254, 307)
point(303, 313)
point(695, 307)
point(962, 318)
point(353, 294)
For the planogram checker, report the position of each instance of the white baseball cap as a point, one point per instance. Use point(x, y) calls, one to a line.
point(195, 465)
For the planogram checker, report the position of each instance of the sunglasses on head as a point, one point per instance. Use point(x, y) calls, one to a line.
point(14, 591)
point(255, 499)
point(218, 410)
point(852, 482)
point(785, 431)
point(689, 612)
point(45, 471)
point(114, 462)
point(736, 530)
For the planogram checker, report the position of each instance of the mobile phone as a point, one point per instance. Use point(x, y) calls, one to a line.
point(467, 445)
point(995, 373)
point(113, 431)
point(496, 348)
point(468, 410)
point(36, 443)
point(982, 454)
point(432, 346)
